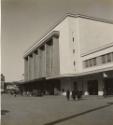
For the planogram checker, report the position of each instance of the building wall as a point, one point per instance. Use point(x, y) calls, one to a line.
point(94, 34)
point(74, 44)
point(91, 39)
point(64, 47)
point(79, 40)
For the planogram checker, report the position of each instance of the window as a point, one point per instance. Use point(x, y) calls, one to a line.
point(112, 56)
point(103, 59)
point(73, 39)
point(86, 63)
point(74, 63)
point(90, 62)
point(109, 57)
point(73, 50)
point(94, 61)
point(99, 60)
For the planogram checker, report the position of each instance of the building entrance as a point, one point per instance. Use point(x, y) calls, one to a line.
point(52, 86)
point(109, 86)
point(93, 87)
point(75, 85)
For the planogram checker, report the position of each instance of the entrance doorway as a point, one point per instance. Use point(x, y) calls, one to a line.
point(52, 85)
point(93, 87)
point(75, 85)
point(109, 86)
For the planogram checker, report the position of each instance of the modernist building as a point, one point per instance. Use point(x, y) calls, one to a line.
point(77, 53)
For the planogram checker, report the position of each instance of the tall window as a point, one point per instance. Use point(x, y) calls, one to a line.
point(103, 58)
point(74, 63)
point(94, 61)
point(73, 39)
point(109, 57)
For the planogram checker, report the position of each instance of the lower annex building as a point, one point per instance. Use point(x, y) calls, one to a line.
point(77, 53)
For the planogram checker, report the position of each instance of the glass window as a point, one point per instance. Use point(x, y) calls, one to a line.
point(112, 55)
point(103, 58)
point(90, 62)
point(74, 63)
point(109, 57)
point(94, 61)
point(73, 39)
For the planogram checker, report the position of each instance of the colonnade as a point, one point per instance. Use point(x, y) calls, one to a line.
point(43, 61)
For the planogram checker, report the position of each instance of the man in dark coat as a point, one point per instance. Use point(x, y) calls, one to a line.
point(68, 94)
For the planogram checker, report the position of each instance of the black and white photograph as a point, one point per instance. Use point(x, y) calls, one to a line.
point(56, 62)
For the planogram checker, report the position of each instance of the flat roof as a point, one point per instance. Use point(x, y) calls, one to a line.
point(37, 43)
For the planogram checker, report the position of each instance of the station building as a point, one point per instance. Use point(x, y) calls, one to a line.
point(76, 53)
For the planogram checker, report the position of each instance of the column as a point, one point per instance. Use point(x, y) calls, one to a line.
point(30, 67)
point(85, 87)
point(26, 68)
point(48, 47)
point(55, 56)
point(42, 61)
point(35, 65)
point(38, 68)
point(100, 85)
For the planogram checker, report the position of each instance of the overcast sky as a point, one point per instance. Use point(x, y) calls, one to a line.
point(25, 21)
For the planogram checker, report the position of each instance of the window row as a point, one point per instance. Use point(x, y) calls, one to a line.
point(103, 59)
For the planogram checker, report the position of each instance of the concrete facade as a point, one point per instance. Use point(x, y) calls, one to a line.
point(77, 51)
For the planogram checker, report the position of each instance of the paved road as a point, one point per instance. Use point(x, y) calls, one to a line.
point(56, 110)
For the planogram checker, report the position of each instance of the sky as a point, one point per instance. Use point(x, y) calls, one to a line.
point(23, 22)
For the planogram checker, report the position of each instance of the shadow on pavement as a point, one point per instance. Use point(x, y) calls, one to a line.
point(79, 114)
point(3, 112)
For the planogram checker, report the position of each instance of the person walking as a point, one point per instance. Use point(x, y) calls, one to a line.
point(68, 94)
point(15, 93)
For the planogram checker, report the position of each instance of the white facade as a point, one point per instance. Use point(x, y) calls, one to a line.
point(85, 47)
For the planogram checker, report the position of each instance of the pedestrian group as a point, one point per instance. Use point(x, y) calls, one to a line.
point(75, 94)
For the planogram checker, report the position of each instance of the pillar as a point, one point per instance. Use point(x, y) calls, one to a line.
point(85, 88)
point(26, 68)
point(34, 65)
point(37, 62)
point(55, 56)
point(42, 61)
point(100, 85)
point(49, 57)
point(29, 67)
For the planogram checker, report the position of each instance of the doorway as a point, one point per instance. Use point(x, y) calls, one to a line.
point(93, 87)
point(75, 85)
point(109, 86)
